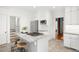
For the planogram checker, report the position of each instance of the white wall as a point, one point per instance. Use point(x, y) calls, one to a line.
point(50, 15)
point(42, 15)
point(36, 14)
point(24, 15)
point(45, 14)
point(57, 12)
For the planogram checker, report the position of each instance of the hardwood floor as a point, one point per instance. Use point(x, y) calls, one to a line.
point(54, 46)
point(58, 46)
point(59, 37)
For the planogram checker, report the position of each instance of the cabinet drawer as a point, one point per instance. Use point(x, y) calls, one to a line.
point(75, 37)
point(71, 36)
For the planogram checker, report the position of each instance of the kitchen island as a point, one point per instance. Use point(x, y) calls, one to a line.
point(36, 43)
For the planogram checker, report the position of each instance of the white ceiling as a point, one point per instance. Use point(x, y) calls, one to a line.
point(33, 8)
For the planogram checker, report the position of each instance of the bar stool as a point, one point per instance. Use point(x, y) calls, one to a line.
point(13, 44)
point(21, 46)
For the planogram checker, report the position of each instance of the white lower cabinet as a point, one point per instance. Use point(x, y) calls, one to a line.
point(66, 41)
point(71, 41)
point(75, 42)
point(40, 45)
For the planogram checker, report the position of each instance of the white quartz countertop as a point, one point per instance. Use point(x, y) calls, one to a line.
point(33, 38)
point(74, 29)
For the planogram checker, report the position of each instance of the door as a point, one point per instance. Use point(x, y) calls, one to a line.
point(59, 28)
point(14, 24)
point(3, 29)
point(17, 24)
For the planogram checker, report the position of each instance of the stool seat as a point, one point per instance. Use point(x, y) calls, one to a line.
point(21, 45)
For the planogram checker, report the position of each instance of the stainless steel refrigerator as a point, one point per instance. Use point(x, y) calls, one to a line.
point(34, 26)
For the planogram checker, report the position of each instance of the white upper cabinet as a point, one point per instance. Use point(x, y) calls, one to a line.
point(71, 16)
point(78, 16)
point(74, 14)
point(74, 18)
point(67, 18)
point(67, 9)
point(74, 8)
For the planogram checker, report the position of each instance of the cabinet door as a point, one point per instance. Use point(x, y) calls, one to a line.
point(42, 44)
point(74, 17)
point(71, 16)
point(68, 18)
point(75, 42)
point(67, 40)
point(3, 29)
point(68, 9)
point(74, 8)
point(78, 16)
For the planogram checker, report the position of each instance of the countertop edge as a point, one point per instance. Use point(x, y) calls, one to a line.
point(71, 33)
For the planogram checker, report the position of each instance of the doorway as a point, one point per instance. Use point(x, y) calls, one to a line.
point(59, 28)
point(14, 28)
point(14, 24)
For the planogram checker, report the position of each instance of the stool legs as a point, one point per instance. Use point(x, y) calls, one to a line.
point(20, 50)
